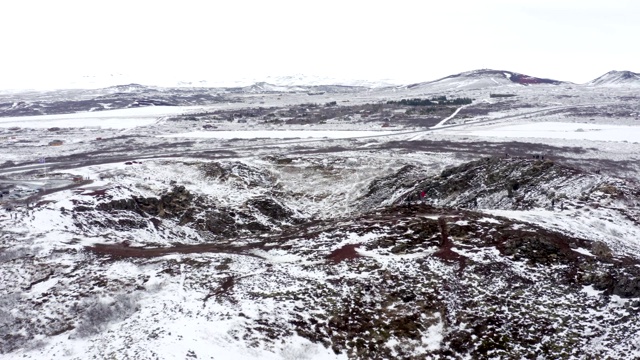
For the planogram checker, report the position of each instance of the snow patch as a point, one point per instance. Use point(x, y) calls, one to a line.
point(583, 251)
point(590, 291)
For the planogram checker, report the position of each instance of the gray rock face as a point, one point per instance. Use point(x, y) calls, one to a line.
point(186, 209)
point(171, 204)
point(601, 249)
point(627, 287)
point(271, 209)
point(497, 183)
point(382, 190)
point(243, 175)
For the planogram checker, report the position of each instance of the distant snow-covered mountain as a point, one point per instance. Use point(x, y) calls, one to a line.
point(264, 87)
point(126, 88)
point(286, 82)
point(300, 79)
point(295, 80)
point(469, 80)
point(483, 78)
point(617, 78)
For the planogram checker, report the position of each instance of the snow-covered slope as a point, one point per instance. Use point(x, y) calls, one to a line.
point(480, 79)
point(617, 79)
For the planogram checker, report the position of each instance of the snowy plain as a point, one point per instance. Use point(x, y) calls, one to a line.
point(276, 134)
point(553, 130)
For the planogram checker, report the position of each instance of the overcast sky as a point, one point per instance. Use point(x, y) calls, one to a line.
point(51, 42)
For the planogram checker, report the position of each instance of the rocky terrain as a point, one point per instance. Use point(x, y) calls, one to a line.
point(395, 276)
point(435, 220)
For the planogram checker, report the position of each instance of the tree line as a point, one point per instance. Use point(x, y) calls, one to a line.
point(441, 100)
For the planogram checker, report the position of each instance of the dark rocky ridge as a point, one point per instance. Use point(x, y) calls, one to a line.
point(508, 183)
point(260, 214)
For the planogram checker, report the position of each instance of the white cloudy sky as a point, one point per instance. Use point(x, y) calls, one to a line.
point(52, 42)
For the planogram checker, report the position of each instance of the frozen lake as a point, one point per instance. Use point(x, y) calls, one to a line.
point(112, 119)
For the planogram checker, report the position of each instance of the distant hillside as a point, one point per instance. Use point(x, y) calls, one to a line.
point(617, 78)
point(480, 79)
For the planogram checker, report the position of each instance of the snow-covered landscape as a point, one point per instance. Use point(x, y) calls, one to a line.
point(487, 214)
